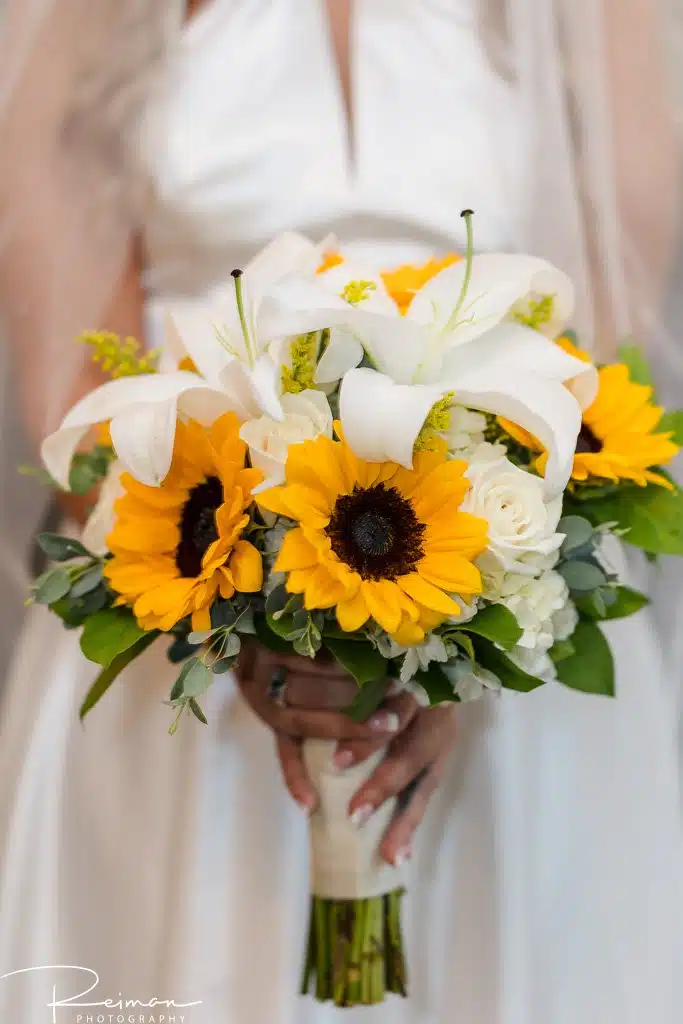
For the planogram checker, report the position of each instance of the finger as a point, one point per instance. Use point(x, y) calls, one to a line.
point(294, 772)
point(320, 692)
point(416, 748)
point(332, 725)
point(404, 707)
point(397, 844)
point(269, 661)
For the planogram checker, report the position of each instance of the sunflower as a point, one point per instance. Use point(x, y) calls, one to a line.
point(618, 439)
point(375, 540)
point(403, 282)
point(177, 546)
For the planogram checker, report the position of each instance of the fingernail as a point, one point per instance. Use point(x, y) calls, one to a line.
point(342, 759)
point(361, 814)
point(385, 721)
point(307, 803)
point(402, 855)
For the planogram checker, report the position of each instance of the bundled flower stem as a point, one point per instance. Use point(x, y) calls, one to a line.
point(355, 950)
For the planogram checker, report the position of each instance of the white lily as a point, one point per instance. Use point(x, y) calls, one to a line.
point(234, 371)
point(460, 335)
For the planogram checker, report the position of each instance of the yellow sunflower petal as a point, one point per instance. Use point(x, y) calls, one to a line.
point(275, 500)
point(408, 634)
point(246, 567)
point(383, 603)
point(451, 573)
point(427, 594)
point(353, 613)
point(322, 590)
point(201, 619)
point(296, 552)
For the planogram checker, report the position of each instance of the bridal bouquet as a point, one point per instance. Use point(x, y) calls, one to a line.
point(417, 473)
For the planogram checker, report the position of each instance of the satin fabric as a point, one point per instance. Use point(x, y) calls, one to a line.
point(547, 884)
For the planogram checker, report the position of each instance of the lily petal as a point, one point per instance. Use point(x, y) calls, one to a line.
point(289, 253)
point(381, 419)
point(344, 351)
point(107, 402)
point(143, 437)
point(498, 281)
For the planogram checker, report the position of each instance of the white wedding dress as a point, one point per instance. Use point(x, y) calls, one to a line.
point(547, 886)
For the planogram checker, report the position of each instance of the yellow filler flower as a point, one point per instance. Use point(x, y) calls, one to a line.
point(177, 546)
point(375, 540)
point(618, 438)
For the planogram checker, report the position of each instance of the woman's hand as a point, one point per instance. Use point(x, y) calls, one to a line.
point(419, 740)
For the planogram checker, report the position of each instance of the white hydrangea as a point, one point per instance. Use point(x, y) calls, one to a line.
point(533, 602)
point(417, 658)
point(536, 663)
point(471, 684)
point(466, 431)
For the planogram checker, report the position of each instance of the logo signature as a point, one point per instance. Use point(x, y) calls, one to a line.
point(83, 975)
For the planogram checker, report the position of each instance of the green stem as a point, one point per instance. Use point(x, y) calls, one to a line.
point(237, 278)
point(453, 319)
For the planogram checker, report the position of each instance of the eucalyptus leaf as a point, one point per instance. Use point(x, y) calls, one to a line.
point(591, 668)
point(197, 680)
point(577, 531)
point(497, 623)
point(196, 639)
point(178, 689)
point(109, 633)
point(368, 699)
point(107, 676)
point(60, 549)
point(361, 660)
point(87, 581)
point(581, 577)
point(197, 711)
point(52, 585)
point(222, 666)
point(222, 614)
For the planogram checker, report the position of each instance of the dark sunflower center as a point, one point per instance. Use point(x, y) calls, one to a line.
point(587, 442)
point(376, 532)
point(198, 525)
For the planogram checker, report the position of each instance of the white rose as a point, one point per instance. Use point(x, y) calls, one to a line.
point(307, 416)
point(101, 521)
point(522, 524)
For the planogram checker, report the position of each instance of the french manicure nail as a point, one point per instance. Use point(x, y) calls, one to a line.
point(402, 855)
point(385, 721)
point(342, 759)
point(361, 814)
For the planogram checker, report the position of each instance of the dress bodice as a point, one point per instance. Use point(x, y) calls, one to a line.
point(249, 136)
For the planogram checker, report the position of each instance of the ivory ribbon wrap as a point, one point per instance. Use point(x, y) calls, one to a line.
point(345, 860)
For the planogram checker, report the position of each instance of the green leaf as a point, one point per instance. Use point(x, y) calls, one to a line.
point(591, 667)
point(70, 614)
point(52, 585)
point(582, 577)
point(436, 685)
point(561, 650)
point(179, 685)
point(672, 422)
point(626, 602)
point(114, 669)
point(634, 359)
point(361, 660)
point(497, 623)
point(88, 468)
point(109, 633)
point(652, 515)
point(269, 639)
point(511, 676)
point(87, 581)
point(577, 532)
point(368, 699)
point(197, 680)
point(197, 711)
point(60, 549)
